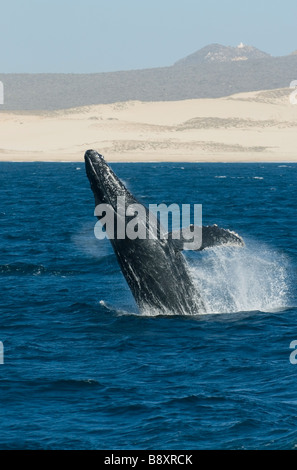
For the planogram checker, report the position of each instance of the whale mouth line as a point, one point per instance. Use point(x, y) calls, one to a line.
point(90, 162)
point(106, 186)
point(96, 175)
point(94, 171)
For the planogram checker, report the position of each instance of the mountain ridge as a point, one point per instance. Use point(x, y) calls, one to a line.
point(182, 80)
point(220, 53)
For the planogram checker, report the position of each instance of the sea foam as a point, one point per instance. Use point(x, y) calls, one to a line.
point(253, 278)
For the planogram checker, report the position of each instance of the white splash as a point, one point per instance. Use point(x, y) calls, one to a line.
point(253, 278)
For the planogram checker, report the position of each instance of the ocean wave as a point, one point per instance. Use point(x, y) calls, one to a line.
point(21, 269)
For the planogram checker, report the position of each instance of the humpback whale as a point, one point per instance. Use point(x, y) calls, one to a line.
point(155, 269)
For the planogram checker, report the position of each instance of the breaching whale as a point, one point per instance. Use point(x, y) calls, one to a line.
point(155, 269)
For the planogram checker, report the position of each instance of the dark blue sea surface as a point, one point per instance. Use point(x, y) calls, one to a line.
point(84, 370)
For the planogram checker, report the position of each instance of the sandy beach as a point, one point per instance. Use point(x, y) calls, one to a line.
point(247, 127)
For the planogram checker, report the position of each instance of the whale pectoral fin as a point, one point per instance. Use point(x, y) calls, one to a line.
point(198, 238)
point(213, 235)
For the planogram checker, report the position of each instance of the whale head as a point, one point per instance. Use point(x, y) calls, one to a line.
point(105, 184)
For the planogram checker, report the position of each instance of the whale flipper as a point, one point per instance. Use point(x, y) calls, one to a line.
point(210, 236)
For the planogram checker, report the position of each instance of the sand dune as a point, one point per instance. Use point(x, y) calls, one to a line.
point(256, 126)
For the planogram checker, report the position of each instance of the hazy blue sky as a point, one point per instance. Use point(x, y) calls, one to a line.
point(105, 35)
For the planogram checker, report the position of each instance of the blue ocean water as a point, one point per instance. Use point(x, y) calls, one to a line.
point(84, 370)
